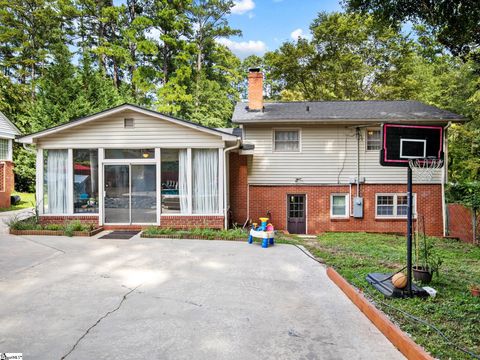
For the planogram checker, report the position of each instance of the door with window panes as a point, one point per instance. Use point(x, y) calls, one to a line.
point(296, 222)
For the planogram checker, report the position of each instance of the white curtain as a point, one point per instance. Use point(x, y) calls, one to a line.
point(183, 180)
point(205, 181)
point(57, 181)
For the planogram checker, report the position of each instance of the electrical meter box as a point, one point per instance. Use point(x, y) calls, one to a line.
point(358, 207)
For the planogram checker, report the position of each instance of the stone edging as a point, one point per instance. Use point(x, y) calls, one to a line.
point(397, 337)
point(55, 232)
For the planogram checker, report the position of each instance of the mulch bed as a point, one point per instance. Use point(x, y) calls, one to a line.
point(186, 236)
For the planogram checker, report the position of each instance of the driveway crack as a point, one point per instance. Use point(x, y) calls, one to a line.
point(124, 298)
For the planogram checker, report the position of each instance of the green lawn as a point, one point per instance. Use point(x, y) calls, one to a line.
point(27, 201)
point(454, 311)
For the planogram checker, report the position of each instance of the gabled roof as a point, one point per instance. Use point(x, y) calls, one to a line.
point(7, 128)
point(30, 138)
point(343, 111)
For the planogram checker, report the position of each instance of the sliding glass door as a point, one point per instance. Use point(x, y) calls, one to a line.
point(130, 194)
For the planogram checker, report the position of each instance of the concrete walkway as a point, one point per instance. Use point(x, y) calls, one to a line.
point(85, 298)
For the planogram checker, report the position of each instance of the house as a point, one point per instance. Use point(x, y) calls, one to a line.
point(300, 163)
point(310, 159)
point(131, 167)
point(8, 131)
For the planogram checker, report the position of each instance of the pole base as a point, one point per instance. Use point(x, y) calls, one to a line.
point(383, 283)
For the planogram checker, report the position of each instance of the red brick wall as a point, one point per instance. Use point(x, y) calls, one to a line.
point(66, 218)
point(175, 222)
point(188, 222)
point(274, 198)
point(6, 183)
point(238, 187)
point(460, 222)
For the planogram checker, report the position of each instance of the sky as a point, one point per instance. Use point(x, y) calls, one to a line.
point(266, 24)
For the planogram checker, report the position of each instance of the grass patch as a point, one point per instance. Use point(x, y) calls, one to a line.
point(212, 234)
point(27, 201)
point(454, 311)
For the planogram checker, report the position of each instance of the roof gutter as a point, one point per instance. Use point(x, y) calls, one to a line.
point(225, 210)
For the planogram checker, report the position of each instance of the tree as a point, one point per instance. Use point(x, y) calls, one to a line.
point(456, 22)
point(349, 57)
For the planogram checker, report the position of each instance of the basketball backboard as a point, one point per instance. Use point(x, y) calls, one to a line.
point(402, 143)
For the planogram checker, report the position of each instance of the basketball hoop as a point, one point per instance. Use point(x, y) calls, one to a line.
point(424, 168)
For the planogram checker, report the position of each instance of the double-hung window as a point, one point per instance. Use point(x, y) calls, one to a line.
point(339, 206)
point(5, 149)
point(393, 205)
point(373, 139)
point(286, 140)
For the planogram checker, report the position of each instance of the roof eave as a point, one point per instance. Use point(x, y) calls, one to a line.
point(340, 121)
point(30, 139)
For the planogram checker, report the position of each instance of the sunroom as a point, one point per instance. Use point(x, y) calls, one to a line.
point(130, 166)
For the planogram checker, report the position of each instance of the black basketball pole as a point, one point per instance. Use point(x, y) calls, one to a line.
point(409, 230)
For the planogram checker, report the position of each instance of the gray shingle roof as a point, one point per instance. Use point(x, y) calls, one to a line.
point(333, 111)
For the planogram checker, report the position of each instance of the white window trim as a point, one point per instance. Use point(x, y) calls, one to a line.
point(101, 162)
point(287, 129)
point(347, 206)
point(366, 139)
point(395, 196)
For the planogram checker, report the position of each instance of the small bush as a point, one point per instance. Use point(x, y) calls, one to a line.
point(54, 227)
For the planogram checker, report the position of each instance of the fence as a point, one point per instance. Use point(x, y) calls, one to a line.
point(462, 224)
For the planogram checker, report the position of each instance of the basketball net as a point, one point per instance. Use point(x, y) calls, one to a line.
point(424, 168)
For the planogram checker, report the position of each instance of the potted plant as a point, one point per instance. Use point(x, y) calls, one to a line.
point(427, 262)
point(475, 290)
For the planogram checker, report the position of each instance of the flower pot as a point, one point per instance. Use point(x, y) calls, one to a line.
point(424, 275)
point(475, 292)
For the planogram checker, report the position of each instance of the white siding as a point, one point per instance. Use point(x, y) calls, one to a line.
point(6, 128)
point(148, 132)
point(328, 156)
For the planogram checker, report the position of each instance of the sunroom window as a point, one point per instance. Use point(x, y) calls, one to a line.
point(85, 181)
point(55, 182)
point(205, 181)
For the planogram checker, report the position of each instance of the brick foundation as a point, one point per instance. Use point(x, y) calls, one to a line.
point(188, 222)
point(6, 183)
point(274, 198)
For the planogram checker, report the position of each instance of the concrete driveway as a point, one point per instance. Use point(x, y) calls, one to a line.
point(85, 298)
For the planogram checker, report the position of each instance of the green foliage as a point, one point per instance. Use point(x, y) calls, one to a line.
point(455, 22)
point(68, 228)
point(354, 255)
point(350, 57)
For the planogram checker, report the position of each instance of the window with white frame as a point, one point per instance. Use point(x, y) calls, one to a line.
point(4, 149)
point(286, 140)
point(374, 139)
point(339, 205)
point(393, 205)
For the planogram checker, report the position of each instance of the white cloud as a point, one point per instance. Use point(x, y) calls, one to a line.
point(244, 48)
point(242, 6)
point(295, 34)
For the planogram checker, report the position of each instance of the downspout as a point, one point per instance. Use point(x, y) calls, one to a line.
point(444, 179)
point(225, 151)
point(34, 151)
point(358, 161)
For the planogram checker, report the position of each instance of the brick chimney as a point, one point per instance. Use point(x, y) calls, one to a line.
point(255, 90)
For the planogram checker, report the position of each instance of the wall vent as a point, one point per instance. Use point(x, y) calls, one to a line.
point(128, 123)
